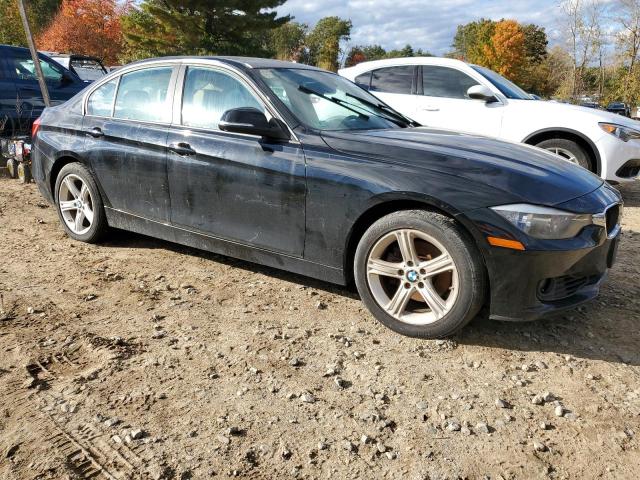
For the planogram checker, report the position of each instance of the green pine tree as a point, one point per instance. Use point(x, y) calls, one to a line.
point(201, 27)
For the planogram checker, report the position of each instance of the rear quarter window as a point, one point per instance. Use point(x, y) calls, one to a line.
point(100, 102)
point(364, 80)
point(393, 79)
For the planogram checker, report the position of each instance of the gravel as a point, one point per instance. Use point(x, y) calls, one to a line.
point(224, 389)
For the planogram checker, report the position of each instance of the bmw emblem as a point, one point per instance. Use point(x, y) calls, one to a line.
point(412, 275)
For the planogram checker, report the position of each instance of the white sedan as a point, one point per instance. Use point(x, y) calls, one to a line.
point(451, 94)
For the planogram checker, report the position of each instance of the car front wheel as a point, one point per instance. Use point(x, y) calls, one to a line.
point(79, 204)
point(567, 149)
point(420, 274)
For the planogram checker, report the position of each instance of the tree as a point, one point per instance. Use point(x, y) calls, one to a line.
point(288, 41)
point(359, 54)
point(90, 27)
point(628, 40)
point(505, 52)
point(535, 43)
point(374, 52)
point(324, 41)
point(201, 27)
point(355, 56)
point(470, 40)
point(584, 36)
point(40, 13)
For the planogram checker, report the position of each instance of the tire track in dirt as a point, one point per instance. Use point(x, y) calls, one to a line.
point(42, 404)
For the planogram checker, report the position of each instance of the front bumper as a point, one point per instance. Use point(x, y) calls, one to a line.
point(549, 275)
point(529, 285)
point(620, 161)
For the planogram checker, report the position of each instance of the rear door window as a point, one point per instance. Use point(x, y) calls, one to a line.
point(393, 79)
point(144, 95)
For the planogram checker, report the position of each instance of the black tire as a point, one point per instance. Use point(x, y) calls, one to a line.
point(24, 173)
point(12, 168)
point(582, 158)
point(99, 226)
point(467, 259)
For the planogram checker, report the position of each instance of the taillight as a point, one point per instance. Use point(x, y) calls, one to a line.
point(34, 128)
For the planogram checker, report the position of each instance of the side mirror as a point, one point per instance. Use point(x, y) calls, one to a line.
point(252, 121)
point(480, 92)
point(66, 79)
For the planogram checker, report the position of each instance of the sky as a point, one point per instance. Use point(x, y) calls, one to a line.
point(429, 25)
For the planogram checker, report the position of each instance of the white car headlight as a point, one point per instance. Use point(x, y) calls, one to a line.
point(544, 222)
point(623, 133)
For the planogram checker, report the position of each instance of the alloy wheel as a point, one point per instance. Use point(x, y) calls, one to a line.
point(412, 277)
point(564, 153)
point(76, 204)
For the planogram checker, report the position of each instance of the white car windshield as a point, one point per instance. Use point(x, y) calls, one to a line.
point(506, 87)
point(325, 101)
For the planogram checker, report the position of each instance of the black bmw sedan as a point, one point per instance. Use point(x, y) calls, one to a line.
point(297, 168)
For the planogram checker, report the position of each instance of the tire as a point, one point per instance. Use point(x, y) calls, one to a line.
point(569, 150)
point(24, 173)
point(12, 168)
point(462, 294)
point(71, 195)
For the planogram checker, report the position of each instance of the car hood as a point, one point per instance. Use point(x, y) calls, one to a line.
point(558, 110)
point(526, 173)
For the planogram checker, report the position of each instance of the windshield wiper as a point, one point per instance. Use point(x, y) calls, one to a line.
point(388, 111)
point(337, 101)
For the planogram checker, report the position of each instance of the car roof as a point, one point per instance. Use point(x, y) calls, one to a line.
point(13, 47)
point(240, 62)
point(387, 62)
point(73, 56)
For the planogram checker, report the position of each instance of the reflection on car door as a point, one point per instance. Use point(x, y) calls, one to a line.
point(126, 125)
point(232, 186)
point(443, 103)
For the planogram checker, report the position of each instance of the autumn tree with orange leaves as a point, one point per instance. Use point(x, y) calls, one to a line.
point(90, 27)
point(506, 53)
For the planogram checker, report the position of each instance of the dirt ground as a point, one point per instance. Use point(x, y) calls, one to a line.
point(138, 358)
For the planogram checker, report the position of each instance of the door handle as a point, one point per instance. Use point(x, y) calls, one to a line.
point(430, 108)
point(95, 132)
point(182, 148)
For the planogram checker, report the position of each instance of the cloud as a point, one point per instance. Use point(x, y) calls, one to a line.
point(427, 25)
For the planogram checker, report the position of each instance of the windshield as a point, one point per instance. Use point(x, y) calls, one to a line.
point(508, 89)
point(89, 70)
point(326, 101)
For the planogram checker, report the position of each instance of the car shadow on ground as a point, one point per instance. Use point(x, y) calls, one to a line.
point(591, 332)
point(630, 193)
point(125, 239)
point(588, 333)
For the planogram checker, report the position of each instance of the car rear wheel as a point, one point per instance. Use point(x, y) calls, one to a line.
point(569, 150)
point(420, 274)
point(79, 204)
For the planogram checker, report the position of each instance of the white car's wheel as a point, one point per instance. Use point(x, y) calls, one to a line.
point(569, 150)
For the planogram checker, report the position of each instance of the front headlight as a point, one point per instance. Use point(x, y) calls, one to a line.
point(544, 222)
point(623, 133)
